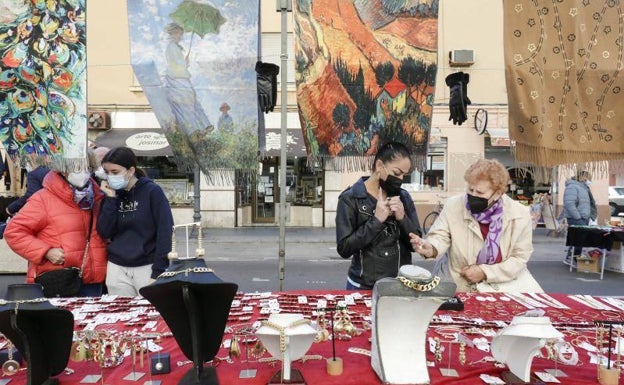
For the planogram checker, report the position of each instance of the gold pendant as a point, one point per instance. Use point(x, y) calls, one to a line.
point(78, 352)
point(10, 367)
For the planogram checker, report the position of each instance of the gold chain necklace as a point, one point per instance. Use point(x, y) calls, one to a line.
point(420, 286)
point(282, 329)
point(186, 272)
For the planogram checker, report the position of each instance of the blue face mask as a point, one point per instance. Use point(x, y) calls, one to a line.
point(117, 182)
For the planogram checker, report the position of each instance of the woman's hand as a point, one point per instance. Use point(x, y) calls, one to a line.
point(107, 190)
point(473, 274)
point(382, 211)
point(56, 255)
point(396, 207)
point(422, 246)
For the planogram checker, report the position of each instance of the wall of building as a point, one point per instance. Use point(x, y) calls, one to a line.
point(463, 24)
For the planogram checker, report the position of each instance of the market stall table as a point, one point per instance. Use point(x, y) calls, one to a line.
point(482, 317)
point(599, 237)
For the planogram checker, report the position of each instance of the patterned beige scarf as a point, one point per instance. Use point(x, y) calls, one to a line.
point(562, 64)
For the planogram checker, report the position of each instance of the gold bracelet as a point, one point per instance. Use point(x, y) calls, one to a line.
point(430, 285)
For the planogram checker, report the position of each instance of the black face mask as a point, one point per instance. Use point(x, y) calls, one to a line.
point(477, 204)
point(392, 185)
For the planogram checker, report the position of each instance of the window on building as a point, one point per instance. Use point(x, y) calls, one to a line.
point(432, 178)
point(271, 53)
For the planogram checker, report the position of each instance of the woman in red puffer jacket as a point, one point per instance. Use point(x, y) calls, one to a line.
point(51, 230)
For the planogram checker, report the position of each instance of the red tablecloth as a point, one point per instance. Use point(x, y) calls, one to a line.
point(576, 323)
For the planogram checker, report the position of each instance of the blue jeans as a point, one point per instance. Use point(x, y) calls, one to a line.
point(91, 290)
point(578, 222)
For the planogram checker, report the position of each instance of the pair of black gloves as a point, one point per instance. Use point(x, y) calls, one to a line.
point(458, 84)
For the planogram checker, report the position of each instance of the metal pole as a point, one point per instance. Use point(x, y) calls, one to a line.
point(196, 194)
point(283, 6)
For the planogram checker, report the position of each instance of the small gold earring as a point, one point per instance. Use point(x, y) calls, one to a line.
point(234, 348)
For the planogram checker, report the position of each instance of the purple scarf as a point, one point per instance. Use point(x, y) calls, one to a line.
point(84, 198)
point(494, 217)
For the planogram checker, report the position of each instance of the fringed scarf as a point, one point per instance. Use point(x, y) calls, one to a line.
point(493, 216)
point(365, 73)
point(563, 63)
point(195, 61)
point(43, 82)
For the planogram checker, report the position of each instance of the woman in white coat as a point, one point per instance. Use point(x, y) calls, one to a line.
point(488, 236)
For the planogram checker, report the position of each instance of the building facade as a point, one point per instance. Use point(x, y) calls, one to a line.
point(466, 27)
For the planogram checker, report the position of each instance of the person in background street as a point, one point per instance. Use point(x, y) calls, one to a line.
point(487, 234)
point(579, 206)
point(136, 221)
point(34, 183)
point(98, 153)
point(374, 219)
point(51, 229)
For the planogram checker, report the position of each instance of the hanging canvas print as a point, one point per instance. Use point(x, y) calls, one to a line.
point(365, 73)
point(195, 61)
point(42, 80)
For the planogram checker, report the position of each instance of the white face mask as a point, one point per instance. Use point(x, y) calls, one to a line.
point(118, 181)
point(100, 173)
point(588, 183)
point(78, 179)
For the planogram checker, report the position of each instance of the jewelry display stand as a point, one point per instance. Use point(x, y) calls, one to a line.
point(517, 344)
point(448, 371)
point(287, 337)
point(402, 313)
point(134, 375)
point(195, 304)
point(247, 372)
point(607, 375)
point(556, 372)
point(39, 330)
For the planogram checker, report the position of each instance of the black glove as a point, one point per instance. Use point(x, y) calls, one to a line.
point(458, 83)
point(267, 85)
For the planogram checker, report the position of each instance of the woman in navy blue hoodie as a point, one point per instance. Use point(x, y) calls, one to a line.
point(136, 220)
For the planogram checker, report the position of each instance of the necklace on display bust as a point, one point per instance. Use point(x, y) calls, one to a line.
point(167, 274)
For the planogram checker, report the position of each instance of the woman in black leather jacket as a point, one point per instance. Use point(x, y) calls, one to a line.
point(374, 218)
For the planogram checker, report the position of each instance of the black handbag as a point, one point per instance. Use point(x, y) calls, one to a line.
point(65, 282)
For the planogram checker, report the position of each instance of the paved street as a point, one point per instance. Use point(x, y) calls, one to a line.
point(248, 256)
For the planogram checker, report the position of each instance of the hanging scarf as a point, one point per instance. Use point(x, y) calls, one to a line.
point(494, 217)
point(564, 85)
point(84, 197)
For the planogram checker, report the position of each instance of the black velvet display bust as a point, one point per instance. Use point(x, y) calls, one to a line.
point(40, 331)
point(195, 304)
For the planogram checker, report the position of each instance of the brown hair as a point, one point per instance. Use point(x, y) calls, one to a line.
point(491, 170)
